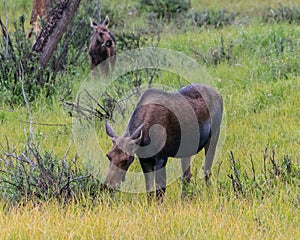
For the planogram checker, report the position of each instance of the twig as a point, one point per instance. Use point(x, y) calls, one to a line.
point(236, 172)
point(6, 26)
point(275, 166)
point(265, 162)
point(253, 169)
point(129, 96)
point(81, 111)
point(25, 173)
point(68, 149)
point(7, 39)
point(99, 11)
point(46, 124)
point(15, 185)
point(90, 96)
point(73, 180)
point(87, 111)
point(24, 159)
point(236, 182)
point(27, 160)
point(27, 105)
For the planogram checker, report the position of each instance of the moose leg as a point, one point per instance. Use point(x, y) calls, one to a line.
point(210, 150)
point(186, 175)
point(148, 170)
point(160, 179)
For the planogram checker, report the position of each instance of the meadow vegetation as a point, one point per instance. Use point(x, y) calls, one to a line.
point(251, 50)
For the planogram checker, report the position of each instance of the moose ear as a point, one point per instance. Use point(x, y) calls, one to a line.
point(93, 23)
point(106, 21)
point(109, 131)
point(138, 133)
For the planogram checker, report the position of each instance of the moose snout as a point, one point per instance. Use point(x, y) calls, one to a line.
point(114, 176)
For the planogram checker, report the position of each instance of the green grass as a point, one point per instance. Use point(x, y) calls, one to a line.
point(260, 85)
point(251, 7)
point(14, 10)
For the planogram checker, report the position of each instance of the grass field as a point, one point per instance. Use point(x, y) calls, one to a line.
point(255, 66)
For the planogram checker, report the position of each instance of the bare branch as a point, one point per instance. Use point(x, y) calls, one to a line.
point(265, 162)
point(24, 159)
point(276, 170)
point(27, 104)
point(253, 169)
point(46, 124)
point(236, 182)
point(99, 11)
point(73, 180)
point(68, 149)
point(6, 26)
point(15, 185)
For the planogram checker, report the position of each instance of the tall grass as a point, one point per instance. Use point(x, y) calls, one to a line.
point(210, 218)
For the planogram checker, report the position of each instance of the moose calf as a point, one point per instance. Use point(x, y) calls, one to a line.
point(102, 48)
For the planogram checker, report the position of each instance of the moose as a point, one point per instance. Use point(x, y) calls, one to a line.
point(167, 124)
point(102, 46)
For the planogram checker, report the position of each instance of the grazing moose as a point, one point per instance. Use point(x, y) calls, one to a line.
point(164, 125)
point(102, 46)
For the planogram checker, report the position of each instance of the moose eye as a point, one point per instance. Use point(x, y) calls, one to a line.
point(108, 43)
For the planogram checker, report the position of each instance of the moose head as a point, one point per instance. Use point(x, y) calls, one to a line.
point(121, 154)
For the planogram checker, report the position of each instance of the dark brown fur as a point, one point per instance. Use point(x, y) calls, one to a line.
point(170, 112)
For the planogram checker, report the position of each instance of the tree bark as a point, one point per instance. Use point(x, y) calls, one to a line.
point(58, 20)
point(40, 9)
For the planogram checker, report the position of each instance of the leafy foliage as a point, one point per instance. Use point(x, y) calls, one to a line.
point(282, 14)
point(218, 54)
point(15, 49)
point(212, 18)
point(166, 9)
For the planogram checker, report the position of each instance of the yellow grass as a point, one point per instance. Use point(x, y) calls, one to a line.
point(214, 218)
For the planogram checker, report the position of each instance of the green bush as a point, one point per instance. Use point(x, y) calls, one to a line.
point(218, 54)
point(282, 14)
point(166, 9)
point(39, 176)
point(213, 18)
point(16, 61)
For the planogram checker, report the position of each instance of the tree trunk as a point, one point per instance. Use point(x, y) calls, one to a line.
point(58, 20)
